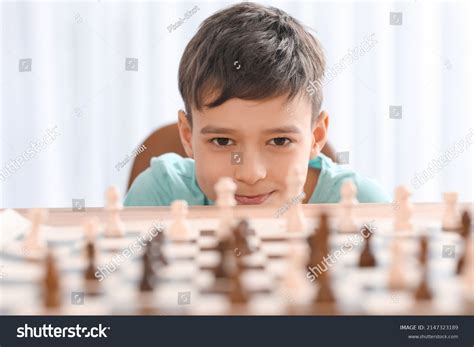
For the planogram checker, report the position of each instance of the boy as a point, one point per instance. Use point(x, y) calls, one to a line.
point(245, 79)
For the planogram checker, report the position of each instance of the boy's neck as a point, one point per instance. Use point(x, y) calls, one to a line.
point(310, 184)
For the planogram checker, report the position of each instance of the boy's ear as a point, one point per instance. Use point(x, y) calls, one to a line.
point(185, 133)
point(320, 133)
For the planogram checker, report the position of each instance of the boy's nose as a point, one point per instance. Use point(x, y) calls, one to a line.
point(250, 170)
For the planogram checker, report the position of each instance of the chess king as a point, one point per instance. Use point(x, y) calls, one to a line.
point(248, 115)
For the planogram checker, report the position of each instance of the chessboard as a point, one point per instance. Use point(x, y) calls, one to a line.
point(258, 267)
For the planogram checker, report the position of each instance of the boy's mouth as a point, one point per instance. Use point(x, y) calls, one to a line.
point(252, 199)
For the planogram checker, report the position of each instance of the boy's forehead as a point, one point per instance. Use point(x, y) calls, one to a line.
point(238, 111)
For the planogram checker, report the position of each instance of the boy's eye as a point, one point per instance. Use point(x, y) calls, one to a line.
point(280, 141)
point(221, 141)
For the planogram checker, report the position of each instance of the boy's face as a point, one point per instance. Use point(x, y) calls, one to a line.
point(255, 143)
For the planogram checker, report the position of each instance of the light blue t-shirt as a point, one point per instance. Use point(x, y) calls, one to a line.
point(171, 177)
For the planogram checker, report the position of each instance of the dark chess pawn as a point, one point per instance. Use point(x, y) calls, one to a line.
point(156, 248)
point(225, 254)
point(237, 294)
point(323, 232)
point(51, 284)
point(148, 275)
point(423, 253)
point(325, 293)
point(92, 283)
point(423, 292)
point(319, 242)
point(89, 274)
point(241, 232)
point(465, 233)
point(367, 258)
point(465, 224)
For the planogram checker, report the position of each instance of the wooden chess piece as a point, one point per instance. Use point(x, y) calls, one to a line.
point(148, 274)
point(367, 258)
point(179, 228)
point(347, 203)
point(295, 219)
point(225, 190)
point(114, 225)
point(451, 214)
point(423, 291)
point(240, 233)
point(465, 224)
point(51, 284)
point(156, 249)
point(224, 250)
point(92, 282)
point(403, 210)
point(325, 293)
point(237, 294)
point(319, 242)
point(396, 276)
point(465, 233)
point(89, 274)
point(34, 243)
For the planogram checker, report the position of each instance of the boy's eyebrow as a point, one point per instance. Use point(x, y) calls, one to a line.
point(283, 129)
point(216, 130)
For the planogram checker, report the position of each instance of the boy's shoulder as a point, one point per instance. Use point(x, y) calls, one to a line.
point(333, 175)
point(170, 177)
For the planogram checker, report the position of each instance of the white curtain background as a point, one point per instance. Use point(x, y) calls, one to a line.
point(79, 84)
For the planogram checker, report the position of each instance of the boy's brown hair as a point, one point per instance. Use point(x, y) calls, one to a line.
point(251, 52)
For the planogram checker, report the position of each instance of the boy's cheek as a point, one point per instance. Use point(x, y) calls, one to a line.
point(207, 177)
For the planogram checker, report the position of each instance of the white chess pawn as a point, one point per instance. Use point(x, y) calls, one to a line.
point(225, 190)
point(295, 219)
point(347, 203)
point(114, 226)
point(295, 280)
point(396, 276)
point(34, 242)
point(451, 216)
point(179, 229)
point(91, 225)
point(403, 209)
